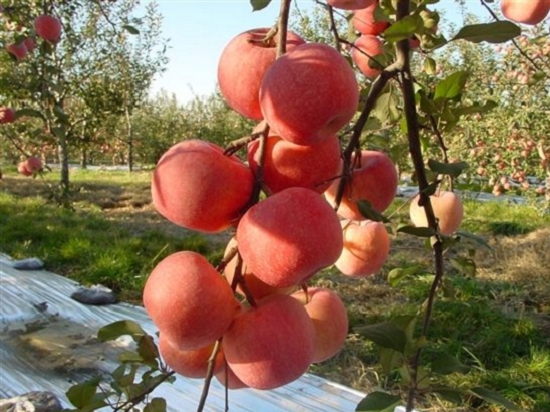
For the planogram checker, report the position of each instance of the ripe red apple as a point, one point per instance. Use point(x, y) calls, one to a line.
point(242, 66)
point(30, 44)
point(19, 50)
point(48, 28)
point(309, 94)
point(288, 237)
point(189, 301)
point(527, 12)
point(258, 288)
point(228, 379)
point(330, 320)
point(189, 363)
point(7, 115)
point(365, 22)
point(196, 186)
point(290, 165)
point(364, 52)
point(22, 168)
point(272, 344)
point(34, 164)
point(374, 179)
point(366, 248)
point(349, 4)
point(447, 208)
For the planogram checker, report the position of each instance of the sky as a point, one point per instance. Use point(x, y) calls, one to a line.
point(199, 30)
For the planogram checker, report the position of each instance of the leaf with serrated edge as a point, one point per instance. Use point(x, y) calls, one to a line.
point(378, 402)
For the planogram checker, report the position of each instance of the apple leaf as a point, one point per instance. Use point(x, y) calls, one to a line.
point(494, 32)
point(465, 266)
point(403, 29)
point(378, 402)
point(156, 405)
point(449, 394)
point(417, 231)
point(130, 29)
point(494, 397)
point(398, 274)
point(259, 4)
point(81, 394)
point(477, 108)
point(478, 240)
point(385, 334)
point(115, 330)
point(451, 86)
point(29, 113)
point(366, 210)
point(451, 169)
point(445, 364)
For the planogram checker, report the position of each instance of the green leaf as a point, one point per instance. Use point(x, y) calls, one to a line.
point(366, 210)
point(478, 240)
point(445, 364)
point(465, 266)
point(120, 328)
point(156, 405)
point(417, 231)
point(494, 32)
point(81, 394)
point(476, 108)
point(385, 334)
point(28, 113)
point(389, 359)
point(148, 350)
point(451, 169)
point(130, 29)
point(449, 394)
point(378, 402)
point(430, 66)
point(398, 274)
point(385, 108)
point(259, 4)
point(403, 29)
point(451, 86)
point(494, 397)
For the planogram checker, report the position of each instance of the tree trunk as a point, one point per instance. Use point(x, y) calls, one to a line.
point(64, 164)
point(83, 158)
point(130, 140)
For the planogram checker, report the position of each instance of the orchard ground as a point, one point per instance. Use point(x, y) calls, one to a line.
point(497, 322)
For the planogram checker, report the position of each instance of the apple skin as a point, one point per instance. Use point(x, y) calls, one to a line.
point(34, 164)
point(282, 240)
point(272, 344)
point(527, 12)
point(196, 186)
point(290, 165)
point(447, 208)
point(242, 66)
point(189, 301)
point(309, 94)
point(189, 363)
point(231, 381)
point(349, 4)
point(330, 320)
point(364, 21)
point(366, 48)
point(30, 44)
point(19, 50)
point(375, 180)
point(366, 248)
point(7, 115)
point(48, 28)
point(22, 168)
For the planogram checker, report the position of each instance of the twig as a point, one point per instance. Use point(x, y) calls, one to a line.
point(209, 375)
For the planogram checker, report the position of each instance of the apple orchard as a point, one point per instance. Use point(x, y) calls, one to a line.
point(304, 191)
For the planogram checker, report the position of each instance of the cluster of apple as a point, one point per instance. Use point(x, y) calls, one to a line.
point(30, 166)
point(46, 27)
point(266, 326)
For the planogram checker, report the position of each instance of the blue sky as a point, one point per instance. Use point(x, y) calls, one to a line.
point(200, 29)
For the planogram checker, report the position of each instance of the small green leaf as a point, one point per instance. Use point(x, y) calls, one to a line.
point(445, 364)
point(450, 169)
point(28, 113)
point(494, 397)
point(449, 394)
point(81, 394)
point(451, 86)
point(148, 350)
point(385, 108)
point(156, 405)
point(389, 359)
point(430, 66)
point(417, 231)
point(120, 328)
point(385, 334)
point(478, 240)
point(366, 210)
point(476, 108)
point(465, 266)
point(130, 29)
point(378, 402)
point(404, 28)
point(494, 32)
point(398, 274)
point(259, 4)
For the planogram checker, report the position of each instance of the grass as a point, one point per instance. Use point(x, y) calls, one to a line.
point(496, 322)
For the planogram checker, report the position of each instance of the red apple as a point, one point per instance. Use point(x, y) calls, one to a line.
point(330, 320)
point(309, 94)
point(242, 66)
point(288, 237)
point(48, 28)
point(374, 179)
point(7, 115)
point(34, 164)
point(349, 4)
point(228, 379)
point(272, 344)
point(366, 248)
point(22, 168)
point(19, 50)
point(365, 22)
point(196, 186)
point(189, 301)
point(527, 12)
point(290, 165)
point(447, 208)
point(30, 44)
point(364, 52)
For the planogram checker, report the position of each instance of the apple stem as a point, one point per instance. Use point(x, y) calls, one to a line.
point(282, 27)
